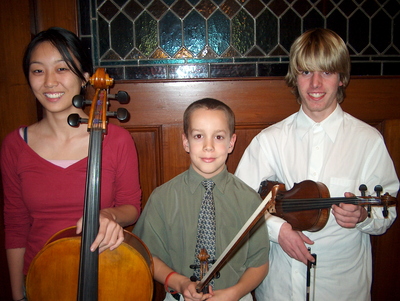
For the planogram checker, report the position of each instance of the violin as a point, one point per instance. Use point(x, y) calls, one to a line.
point(66, 269)
point(306, 206)
point(203, 257)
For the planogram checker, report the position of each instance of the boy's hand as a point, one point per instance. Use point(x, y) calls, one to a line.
point(223, 295)
point(349, 215)
point(188, 289)
point(293, 243)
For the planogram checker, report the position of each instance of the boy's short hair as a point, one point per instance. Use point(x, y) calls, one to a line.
point(208, 104)
point(319, 50)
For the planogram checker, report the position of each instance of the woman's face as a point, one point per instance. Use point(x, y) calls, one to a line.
point(52, 81)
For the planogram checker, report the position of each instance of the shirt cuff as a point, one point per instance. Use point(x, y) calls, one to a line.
point(274, 225)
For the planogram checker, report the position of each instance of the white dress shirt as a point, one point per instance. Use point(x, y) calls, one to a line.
point(342, 152)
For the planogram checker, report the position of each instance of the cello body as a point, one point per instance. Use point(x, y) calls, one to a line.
point(125, 273)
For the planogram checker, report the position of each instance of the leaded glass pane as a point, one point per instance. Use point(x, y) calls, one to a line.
point(161, 39)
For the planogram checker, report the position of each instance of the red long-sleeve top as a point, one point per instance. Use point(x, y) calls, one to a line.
point(41, 198)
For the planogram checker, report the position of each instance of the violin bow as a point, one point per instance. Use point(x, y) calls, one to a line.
point(224, 257)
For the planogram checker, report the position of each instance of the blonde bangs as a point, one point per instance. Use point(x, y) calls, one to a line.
point(319, 50)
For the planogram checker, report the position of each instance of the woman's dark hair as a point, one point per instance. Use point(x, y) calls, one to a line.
point(69, 46)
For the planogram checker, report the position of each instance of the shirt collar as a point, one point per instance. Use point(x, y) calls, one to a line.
point(330, 124)
point(194, 179)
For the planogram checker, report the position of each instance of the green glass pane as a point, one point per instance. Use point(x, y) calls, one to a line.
point(242, 31)
point(146, 34)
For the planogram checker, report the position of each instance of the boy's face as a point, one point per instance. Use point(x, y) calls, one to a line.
point(318, 91)
point(209, 141)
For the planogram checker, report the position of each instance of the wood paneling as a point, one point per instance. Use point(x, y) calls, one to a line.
point(257, 104)
point(149, 156)
point(19, 20)
point(386, 248)
point(48, 13)
point(17, 106)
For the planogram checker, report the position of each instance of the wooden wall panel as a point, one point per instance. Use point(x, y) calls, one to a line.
point(19, 20)
point(244, 133)
point(147, 141)
point(48, 13)
point(17, 105)
point(386, 247)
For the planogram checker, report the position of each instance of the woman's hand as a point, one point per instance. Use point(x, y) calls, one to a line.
point(110, 234)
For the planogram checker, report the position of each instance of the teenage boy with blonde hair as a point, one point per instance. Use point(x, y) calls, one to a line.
point(321, 143)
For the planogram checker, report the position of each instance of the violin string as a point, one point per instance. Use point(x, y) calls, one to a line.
point(310, 204)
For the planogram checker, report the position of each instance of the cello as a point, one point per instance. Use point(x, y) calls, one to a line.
point(66, 269)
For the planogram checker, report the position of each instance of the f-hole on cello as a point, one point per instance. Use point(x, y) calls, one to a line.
point(66, 269)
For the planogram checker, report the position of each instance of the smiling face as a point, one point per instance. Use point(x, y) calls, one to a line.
point(320, 63)
point(318, 93)
point(209, 141)
point(51, 80)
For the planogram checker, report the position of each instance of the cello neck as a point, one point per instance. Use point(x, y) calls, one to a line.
point(88, 267)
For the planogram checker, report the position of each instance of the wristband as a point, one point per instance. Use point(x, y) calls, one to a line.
point(166, 283)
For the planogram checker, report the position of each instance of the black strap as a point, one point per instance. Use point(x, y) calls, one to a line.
point(26, 134)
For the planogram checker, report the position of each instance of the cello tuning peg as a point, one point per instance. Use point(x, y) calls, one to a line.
point(122, 97)
point(79, 101)
point(121, 114)
point(75, 120)
point(378, 189)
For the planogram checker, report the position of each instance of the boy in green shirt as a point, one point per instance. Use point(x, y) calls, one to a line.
point(168, 224)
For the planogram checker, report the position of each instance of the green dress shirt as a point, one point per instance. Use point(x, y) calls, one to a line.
point(168, 224)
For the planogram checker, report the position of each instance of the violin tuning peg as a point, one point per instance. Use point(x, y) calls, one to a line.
point(193, 278)
point(122, 97)
point(385, 211)
point(363, 188)
point(75, 120)
point(378, 189)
